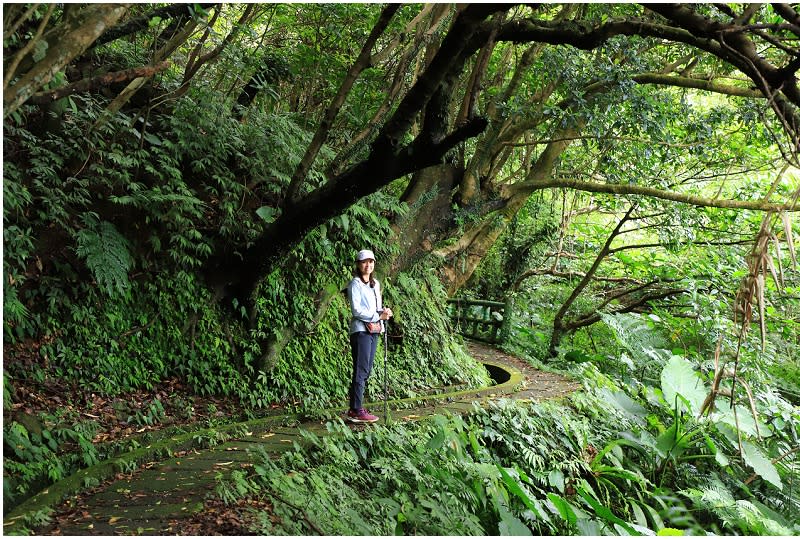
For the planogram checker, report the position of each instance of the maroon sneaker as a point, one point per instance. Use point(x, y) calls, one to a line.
point(361, 416)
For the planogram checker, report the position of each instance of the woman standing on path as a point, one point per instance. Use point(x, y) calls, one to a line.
point(366, 305)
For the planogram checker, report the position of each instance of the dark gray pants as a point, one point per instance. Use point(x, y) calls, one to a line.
point(362, 346)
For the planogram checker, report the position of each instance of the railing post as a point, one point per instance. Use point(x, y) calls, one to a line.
point(483, 325)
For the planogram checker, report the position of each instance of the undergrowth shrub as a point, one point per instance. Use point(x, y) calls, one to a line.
point(430, 346)
point(628, 455)
point(38, 452)
point(786, 375)
point(419, 480)
point(511, 469)
point(123, 343)
point(303, 317)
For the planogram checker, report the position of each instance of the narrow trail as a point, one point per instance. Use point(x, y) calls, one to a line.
point(125, 496)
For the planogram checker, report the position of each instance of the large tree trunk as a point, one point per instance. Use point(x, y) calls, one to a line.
point(462, 257)
point(430, 214)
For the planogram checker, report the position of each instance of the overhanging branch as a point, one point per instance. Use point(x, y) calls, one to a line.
point(591, 318)
point(87, 85)
point(627, 189)
point(699, 84)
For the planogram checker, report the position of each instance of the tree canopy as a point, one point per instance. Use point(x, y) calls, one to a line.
point(491, 86)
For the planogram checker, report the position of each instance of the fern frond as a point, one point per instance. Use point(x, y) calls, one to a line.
point(107, 255)
point(638, 338)
point(740, 515)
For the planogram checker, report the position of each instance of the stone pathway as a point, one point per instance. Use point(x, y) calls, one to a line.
point(136, 497)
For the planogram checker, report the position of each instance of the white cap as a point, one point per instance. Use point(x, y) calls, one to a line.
point(365, 254)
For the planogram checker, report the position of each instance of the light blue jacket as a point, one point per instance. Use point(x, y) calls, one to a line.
point(365, 302)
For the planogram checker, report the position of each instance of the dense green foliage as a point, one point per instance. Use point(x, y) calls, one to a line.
point(148, 173)
point(108, 222)
point(626, 456)
point(138, 315)
point(313, 371)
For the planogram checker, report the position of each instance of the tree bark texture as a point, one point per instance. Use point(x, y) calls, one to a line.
point(64, 44)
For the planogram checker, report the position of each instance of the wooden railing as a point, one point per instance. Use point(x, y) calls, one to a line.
point(476, 318)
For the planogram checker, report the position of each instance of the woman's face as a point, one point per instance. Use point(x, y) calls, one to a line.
point(366, 266)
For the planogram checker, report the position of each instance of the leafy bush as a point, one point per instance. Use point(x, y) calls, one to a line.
point(786, 375)
point(623, 457)
point(424, 480)
point(510, 469)
point(41, 452)
point(498, 471)
point(118, 344)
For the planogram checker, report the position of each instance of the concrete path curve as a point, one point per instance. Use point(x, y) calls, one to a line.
point(147, 491)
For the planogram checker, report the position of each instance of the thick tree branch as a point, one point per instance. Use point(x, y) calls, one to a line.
point(387, 161)
point(685, 26)
point(88, 85)
point(740, 51)
point(586, 36)
point(11, 25)
point(10, 70)
point(700, 84)
point(616, 295)
point(559, 325)
point(457, 45)
point(564, 275)
point(194, 63)
point(689, 28)
point(592, 318)
point(789, 15)
point(327, 201)
point(178, 39)
point(142, 22)
point(627, 189)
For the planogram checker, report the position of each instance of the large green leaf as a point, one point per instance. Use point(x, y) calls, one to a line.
point(621, 401)
point(267, 213)
point(510, 524)
point(564, 508)
point(674, 442)
point(605, 513)
point(761, 464)
point(515, 489)
point(679, 378)
point(742, 420)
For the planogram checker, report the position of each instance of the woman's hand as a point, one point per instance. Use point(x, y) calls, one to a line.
point(386, 314)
